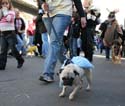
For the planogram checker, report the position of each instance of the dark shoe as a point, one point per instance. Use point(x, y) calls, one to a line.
point(42, 56)
point(2, 68)
point(46, 78)
point(107, 59)
point(20, 63)
point(10, 54)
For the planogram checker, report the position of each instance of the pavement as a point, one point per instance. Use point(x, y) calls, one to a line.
point(21, 87)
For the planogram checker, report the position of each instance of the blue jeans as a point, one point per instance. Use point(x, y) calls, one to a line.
point(73, 47)
point(20, 44)
point(31, 37)
point(45, 45)
point(60, 23)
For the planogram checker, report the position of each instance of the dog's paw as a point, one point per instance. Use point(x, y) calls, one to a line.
point(71, 97)
point(61, 95)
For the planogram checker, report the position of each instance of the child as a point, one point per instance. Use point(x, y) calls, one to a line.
point(74, 34)
point(7, 34)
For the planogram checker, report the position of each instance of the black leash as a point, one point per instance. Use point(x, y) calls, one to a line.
point(50, 21)
point(49, 18)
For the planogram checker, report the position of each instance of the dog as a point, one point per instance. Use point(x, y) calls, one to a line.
point(32, 51)
point(72, 75)
point(116, 51)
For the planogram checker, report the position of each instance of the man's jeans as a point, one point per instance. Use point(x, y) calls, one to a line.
point(45, 45)
point(60, 23)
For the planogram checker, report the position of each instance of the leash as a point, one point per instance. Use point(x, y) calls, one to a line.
point(50, 21)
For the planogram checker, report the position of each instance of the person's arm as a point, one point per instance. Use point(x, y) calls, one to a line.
point(79, 8)
point(81, 12)
point(42, 1)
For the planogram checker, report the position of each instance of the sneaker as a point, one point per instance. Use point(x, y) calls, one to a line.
point(42, 56)
point(46, 78)
point(20, 63)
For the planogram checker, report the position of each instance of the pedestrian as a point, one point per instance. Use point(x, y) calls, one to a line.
point(37, 38)
point(112, 29)
point(31, 31)
point(8, 35)
point(60, 12)
point(41, 35)
point(74, 34)
point(44, 36)
point(93, 19)
point(20, 32)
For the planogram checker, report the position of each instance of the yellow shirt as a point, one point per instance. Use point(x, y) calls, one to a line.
point(60, 7)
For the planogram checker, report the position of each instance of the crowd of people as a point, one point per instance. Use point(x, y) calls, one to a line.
point(59, 28)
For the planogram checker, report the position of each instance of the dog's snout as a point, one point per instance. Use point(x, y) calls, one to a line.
point(115, 47)
point(63, 78)
point(68, 81)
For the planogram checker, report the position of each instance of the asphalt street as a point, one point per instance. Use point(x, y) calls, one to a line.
point(21, 87)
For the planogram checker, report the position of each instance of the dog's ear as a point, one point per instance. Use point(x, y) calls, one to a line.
point(75, 72)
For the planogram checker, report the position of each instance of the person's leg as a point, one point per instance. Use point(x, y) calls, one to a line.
point(89, 44)
point(74, 46)
point(19, 44)
point(71, 46)
point(79, 42)
point(107, 53)
point(30, 40)
point(12, 45)
point(3, 52)
point(78, 51)
point(45, 45)
point(23, 43)
point(60, 23)
point(89, 55)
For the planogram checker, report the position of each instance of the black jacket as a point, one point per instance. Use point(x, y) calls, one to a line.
point(74, 29)
point(40, 27)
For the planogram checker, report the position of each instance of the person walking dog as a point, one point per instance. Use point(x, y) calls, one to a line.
point(60, 12)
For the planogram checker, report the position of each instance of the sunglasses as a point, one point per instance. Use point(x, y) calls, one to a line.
point(5, 3)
